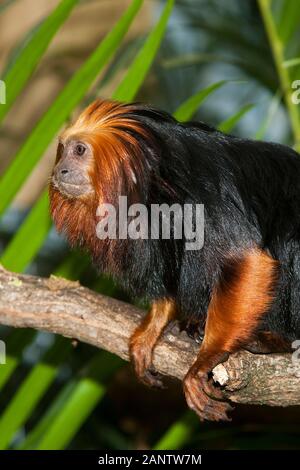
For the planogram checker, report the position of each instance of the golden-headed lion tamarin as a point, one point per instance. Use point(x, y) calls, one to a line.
point(242, 286)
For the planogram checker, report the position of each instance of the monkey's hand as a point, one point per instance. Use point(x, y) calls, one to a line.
point(141, 353)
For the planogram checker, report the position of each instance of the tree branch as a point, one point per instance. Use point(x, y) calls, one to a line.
point(65, 308)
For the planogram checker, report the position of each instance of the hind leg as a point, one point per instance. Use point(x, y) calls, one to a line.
point(242, 297)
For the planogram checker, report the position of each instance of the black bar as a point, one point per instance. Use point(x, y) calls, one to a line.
point(134, 459)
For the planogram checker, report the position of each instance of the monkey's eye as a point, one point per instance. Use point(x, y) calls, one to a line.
point(80, 149)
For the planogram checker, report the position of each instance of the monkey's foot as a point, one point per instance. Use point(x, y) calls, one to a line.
point(141, 355)
point(205, 398)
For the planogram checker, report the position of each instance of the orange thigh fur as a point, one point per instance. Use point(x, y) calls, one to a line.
point(243, 295)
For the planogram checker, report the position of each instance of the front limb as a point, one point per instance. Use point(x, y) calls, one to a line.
point(145, 337)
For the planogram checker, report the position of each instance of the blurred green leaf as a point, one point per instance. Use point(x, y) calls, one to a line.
point(31, 390)
point(29, 237)
point(143, 61)
point(289, 20)
point(277, 45)
point(15, 345)
point(179, 433)
point(267, 119)
point(187, 60)
point(29, 56)
point(33, 437)
point(228, 124)
point(80, 398)
point(77, 407)
point(190, 106)
point(228, 33)
point(291, 62)
point(59, 111)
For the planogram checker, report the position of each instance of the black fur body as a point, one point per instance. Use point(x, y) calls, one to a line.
point(251, 196)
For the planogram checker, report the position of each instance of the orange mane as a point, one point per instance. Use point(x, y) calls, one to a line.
point(113, 132)
point(117, 168)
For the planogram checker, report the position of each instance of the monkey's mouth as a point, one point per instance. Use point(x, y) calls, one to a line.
point(72, 190)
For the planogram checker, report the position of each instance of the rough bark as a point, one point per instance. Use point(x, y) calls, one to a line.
point(67, 309)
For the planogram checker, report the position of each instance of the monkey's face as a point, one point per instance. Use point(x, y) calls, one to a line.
point(100, 155)
point(71, 172)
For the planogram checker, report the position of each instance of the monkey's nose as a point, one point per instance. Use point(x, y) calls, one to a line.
point(63, 174)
